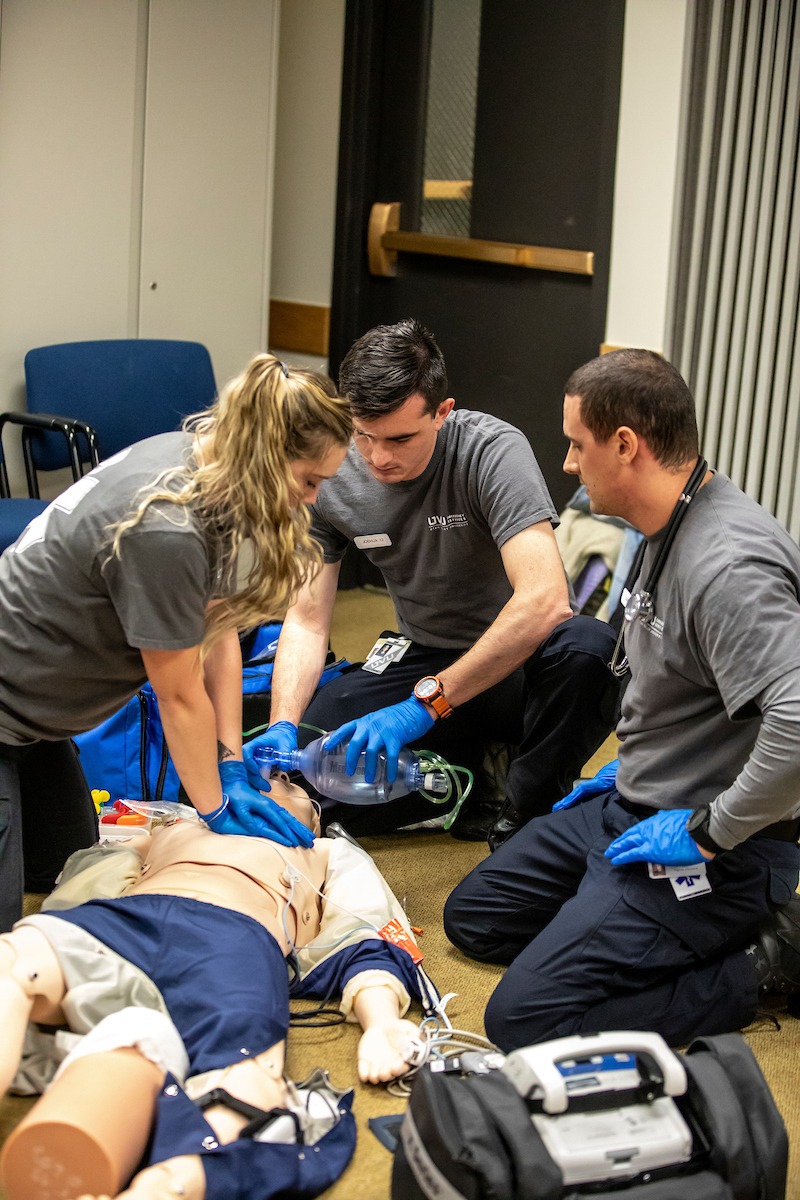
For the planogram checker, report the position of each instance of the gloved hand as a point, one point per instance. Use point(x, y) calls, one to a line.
point(249, 814)
point(662, 838)
point(603, 781)
point(388, 729)
point(281, 736)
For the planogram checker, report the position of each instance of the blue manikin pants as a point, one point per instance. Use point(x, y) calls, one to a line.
point(591, 947)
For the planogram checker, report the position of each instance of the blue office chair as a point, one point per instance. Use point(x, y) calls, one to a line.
point(15, 513)
point(118, 391)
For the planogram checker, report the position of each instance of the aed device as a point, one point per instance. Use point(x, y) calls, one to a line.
point(604, 1106)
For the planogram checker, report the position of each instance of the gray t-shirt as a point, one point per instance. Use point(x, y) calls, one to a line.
point(726, 626)
point(437, 538)
point(73, 619)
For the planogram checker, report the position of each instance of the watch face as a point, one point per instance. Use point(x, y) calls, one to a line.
point(427, 687)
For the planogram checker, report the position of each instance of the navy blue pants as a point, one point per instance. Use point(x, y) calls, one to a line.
point(557, 708)
point(590, 947)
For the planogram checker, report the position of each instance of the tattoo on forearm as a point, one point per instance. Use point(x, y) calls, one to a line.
point(223, 752)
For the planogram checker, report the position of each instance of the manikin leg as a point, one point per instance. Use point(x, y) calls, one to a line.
point(84, 1137)
point(31, 989)
point(87, 1132)
point(93, 1123)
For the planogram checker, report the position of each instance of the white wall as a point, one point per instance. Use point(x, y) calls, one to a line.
point(68, 152)
point(645, 186)
point(136, 148)
point(306, 149)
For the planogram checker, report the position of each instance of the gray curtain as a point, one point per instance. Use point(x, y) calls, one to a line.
point(732, 326)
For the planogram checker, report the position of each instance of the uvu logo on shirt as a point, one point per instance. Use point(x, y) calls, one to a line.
point(453, 521)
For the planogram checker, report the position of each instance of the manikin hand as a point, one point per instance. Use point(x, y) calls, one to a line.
point(383, 1049)
point(388, 730)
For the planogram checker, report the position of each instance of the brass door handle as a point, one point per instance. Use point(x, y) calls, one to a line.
point(385, 238)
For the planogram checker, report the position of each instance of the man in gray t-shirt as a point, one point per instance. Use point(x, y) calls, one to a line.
point(452, 508)
point(662, 896)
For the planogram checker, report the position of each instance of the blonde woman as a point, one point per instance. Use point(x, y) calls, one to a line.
point(132, 575)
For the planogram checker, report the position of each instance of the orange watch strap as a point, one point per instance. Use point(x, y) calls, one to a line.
point(441, 705)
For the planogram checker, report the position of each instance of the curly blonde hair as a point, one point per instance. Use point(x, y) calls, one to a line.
point(239, 486)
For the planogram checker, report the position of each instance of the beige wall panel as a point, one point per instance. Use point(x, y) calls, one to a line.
point(307, 149)
point(647, 161)
point(206, 213)
point(69, 151)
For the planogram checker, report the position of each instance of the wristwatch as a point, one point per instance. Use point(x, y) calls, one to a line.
point(697, 828)
point(429, 690)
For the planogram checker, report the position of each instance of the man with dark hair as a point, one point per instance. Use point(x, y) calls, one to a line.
point(452, 507)
point(662, 897)
point(641, 389)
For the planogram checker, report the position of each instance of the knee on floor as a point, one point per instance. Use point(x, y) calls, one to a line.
point(464, 929)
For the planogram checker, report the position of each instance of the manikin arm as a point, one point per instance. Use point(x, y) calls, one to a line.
point(384, 1045)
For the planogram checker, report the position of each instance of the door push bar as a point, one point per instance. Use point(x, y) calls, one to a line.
point(385, 238)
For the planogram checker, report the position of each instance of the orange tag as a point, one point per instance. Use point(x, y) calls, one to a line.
point(393, 931)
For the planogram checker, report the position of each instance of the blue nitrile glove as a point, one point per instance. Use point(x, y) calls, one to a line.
point(280, 736)
point(662, 838)
point(246, 812)
point(603, 781)
point(388, 729)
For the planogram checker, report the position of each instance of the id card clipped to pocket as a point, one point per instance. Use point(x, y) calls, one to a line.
point(390, 647)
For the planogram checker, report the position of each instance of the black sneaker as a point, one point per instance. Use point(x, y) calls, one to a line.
point(474, 821)
point(506, 825)
point(776, 953)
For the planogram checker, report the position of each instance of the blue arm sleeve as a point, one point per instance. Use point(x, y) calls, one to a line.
point(374, 954)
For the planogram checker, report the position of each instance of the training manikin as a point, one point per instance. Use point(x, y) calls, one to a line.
point(180, 985)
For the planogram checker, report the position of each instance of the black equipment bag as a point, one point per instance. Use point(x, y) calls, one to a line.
point(471, 1136)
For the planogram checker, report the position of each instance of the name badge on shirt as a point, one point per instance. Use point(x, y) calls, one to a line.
point(367, 541)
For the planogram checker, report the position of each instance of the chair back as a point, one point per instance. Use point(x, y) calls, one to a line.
point(14, 513)
point(126, 389)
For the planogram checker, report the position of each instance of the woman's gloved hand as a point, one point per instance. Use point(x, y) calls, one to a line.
point(387, 730)
point(282, 736)
point(662, 838)
point(244, 811)
point(603, 781)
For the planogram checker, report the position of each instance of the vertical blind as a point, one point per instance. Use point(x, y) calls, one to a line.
point(735, 273)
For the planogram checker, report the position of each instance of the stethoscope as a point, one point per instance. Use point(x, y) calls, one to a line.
point(641, 605)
